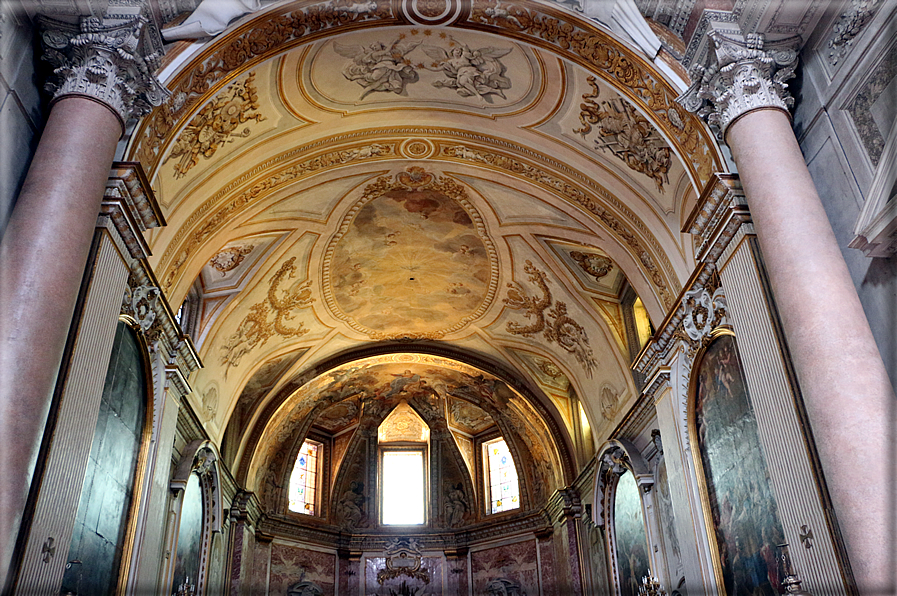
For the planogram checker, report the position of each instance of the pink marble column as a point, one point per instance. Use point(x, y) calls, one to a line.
point(45, 248)
point(846, 391)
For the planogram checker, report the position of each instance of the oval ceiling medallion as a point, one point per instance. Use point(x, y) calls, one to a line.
point(411, 259)
point(432, 12)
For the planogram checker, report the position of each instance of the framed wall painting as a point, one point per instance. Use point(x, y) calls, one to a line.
point(630, 538)
point(739, 506)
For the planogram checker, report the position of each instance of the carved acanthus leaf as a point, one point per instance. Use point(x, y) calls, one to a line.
point(743, 77)
point(103, 62)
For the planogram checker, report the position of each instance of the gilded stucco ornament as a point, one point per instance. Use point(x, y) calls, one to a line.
point(744, 77)
point(103, 62)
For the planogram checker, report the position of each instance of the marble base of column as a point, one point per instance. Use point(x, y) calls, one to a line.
point(848, 396)
point(42, 260)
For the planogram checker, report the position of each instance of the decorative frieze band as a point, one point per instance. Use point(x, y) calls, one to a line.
point(744, 76)
point(102, 62)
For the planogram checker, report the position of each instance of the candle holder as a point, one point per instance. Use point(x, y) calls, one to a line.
point(651, 587)
point(186, 588)
point(790, 581)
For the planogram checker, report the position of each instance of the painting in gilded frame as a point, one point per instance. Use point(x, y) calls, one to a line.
point(739, 495)
point(630, 536)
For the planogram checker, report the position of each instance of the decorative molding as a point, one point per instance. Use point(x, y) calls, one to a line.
point(226, 212)
point(567, 35)
point(876, 229)
point(574, 195)
point(130, 204)
point(849, 26)
point(103, 62)
point(557, 328)
point(743, 77)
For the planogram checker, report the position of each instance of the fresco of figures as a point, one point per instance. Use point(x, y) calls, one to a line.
point(744, 510)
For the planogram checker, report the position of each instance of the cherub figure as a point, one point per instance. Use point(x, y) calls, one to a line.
point(378, 67)
point(470, 72)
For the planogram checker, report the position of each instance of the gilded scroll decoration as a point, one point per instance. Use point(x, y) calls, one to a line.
point(138, 303)
point(626, 134)
point(216, 124)
point(256, 328)
point(557, 327)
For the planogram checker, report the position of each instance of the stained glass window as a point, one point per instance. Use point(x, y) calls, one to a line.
point(304, 480)
point(501, 477)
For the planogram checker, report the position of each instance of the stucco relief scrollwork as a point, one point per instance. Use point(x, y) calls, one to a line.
point(557, 327)
point(103, 62)
point(216, 124)
point(849, 26)
point(256, 329)
point(703, 312)
point(138, 303)
point(744, 76)
point(626, 134)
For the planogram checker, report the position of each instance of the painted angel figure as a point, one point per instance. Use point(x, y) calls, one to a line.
point(470, 72)
point(379, 67)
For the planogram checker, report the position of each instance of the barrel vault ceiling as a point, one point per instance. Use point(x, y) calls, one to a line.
point(389, 182)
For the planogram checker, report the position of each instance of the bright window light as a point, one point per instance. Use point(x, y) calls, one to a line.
point(501, 477)
point(304, 479)
point(403, 488)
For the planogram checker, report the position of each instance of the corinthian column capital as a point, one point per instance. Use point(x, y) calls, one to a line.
point(743, 77)
point(104, 63)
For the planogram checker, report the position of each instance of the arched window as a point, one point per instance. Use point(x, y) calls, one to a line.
point(737, 494)
point(99, 538)
point(502, 487)
point(305, 479)
point(404, 439)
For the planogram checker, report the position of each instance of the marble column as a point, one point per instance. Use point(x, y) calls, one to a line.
point(101, 82)
point(846, 392)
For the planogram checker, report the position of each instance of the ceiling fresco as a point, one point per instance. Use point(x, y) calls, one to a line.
point(396, 393)
point(482, 181)
point(412, 255)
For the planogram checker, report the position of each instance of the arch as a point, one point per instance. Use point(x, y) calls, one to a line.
point(199, 460)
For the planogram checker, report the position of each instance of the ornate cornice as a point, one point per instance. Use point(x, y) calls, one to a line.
point(102, 62)
point(743, 77)
point(130, 204)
